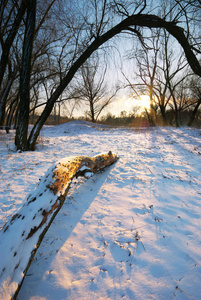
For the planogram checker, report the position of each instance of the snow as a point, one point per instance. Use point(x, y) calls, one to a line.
point(132, 231)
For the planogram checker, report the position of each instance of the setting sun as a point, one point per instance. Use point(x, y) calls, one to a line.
point(145, 101)
point(128, 104)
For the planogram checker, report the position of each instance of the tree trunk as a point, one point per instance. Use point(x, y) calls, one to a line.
point(176, 111)
point(92, 111)
point(23, 119)
point(180, 117)
point(150, 119)
point(27, 228)
point(59, 113)
point(55, 113)
point(163, 113)
point(4, 97)
point(192, 118)
point(12, 109)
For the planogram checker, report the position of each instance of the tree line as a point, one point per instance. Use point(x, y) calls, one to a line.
point(45, 45)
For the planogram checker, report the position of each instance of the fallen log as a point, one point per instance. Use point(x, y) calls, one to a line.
point(22, 235)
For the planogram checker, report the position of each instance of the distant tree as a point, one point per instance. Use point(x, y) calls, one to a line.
point(160, 74)
point(195, 87)
point(92, 90)
point(175, 74)
point(147, 68)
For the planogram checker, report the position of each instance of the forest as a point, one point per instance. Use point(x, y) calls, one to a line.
point(59, 56)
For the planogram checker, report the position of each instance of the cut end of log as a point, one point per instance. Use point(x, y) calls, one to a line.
point(77, 166)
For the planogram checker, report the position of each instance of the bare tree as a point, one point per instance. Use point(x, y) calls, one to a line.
point(147, 71)
point(154, 75)
point(23, 121)
point(92, 90)
point(10, 76)
point(11, 16)
point(163, 75)
point(195, 87)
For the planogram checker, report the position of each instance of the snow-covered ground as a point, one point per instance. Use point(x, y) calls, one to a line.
point(132, 231)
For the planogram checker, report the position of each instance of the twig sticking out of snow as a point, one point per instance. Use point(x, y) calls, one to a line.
point(22, 235)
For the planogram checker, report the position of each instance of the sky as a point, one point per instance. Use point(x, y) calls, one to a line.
point(122, 103)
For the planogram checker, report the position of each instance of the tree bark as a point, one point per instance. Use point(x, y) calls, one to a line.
point(163, 114)
point(29, 225)
point(23, 119)
point(4, 96)
point(176, 112)
point(12, 109)
point(92, 110)
point(142, 20)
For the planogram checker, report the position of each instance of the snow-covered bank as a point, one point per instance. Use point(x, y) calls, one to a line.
point(133, 232)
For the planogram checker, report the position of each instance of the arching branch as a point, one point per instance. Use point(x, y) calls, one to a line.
point(142, 20)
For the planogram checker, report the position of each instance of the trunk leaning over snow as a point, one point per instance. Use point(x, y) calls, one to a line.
point(22, 235)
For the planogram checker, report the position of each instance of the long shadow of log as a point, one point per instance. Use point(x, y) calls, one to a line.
point(75, 213)
point(22, 235)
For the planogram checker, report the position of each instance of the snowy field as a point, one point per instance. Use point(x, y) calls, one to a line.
point(132, 231)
